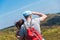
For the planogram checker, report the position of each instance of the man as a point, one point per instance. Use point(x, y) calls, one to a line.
point(31, 22)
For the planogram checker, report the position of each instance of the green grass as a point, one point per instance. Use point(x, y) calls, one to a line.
point(8, 34)
point(48, 33)
point(52, 33)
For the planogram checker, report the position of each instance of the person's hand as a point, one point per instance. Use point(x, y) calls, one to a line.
point(34, 13)
point(41, 15)
point(18, 37)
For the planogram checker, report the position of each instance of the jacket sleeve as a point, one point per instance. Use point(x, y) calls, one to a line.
point(22, 31)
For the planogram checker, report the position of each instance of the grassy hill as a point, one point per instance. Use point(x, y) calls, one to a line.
point(8, 34)
point(49, 32)
point(53, 19)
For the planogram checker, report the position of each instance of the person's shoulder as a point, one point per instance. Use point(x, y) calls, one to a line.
point(22, 26)
point(36, 20)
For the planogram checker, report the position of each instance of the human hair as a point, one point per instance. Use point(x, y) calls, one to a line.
point(19, 23)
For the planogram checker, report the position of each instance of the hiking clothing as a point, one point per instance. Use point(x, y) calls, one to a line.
point(35, 23)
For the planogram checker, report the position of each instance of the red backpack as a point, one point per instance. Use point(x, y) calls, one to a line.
point(32, 34)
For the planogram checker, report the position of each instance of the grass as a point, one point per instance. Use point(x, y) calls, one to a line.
point(8, 34)
point(52, 33)
point(48, 33)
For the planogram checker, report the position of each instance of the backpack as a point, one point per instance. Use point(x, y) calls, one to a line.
point(32, 34)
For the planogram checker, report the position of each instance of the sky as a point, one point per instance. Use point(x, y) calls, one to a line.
point(11, 10)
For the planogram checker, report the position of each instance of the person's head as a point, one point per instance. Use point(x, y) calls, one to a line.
point(19, 23)
point(27, 14)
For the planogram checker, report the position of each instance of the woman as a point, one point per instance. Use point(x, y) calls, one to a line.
point(18, 25)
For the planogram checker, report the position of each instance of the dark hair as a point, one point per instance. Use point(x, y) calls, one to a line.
point(19, 23)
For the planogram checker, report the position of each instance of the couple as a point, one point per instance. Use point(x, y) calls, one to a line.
point(35, 23)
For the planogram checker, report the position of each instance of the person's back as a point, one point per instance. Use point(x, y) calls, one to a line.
point(34, 24)
point(31, 22)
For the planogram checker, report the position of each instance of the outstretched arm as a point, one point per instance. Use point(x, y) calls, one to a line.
point(41, 15)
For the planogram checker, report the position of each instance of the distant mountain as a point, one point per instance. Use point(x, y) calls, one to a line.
point(58, 13)
point(53, 19)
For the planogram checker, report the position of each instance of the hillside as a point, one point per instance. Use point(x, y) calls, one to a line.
point(53, 19)
point(8, 34)
point(48, 33)
point(50, 29)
